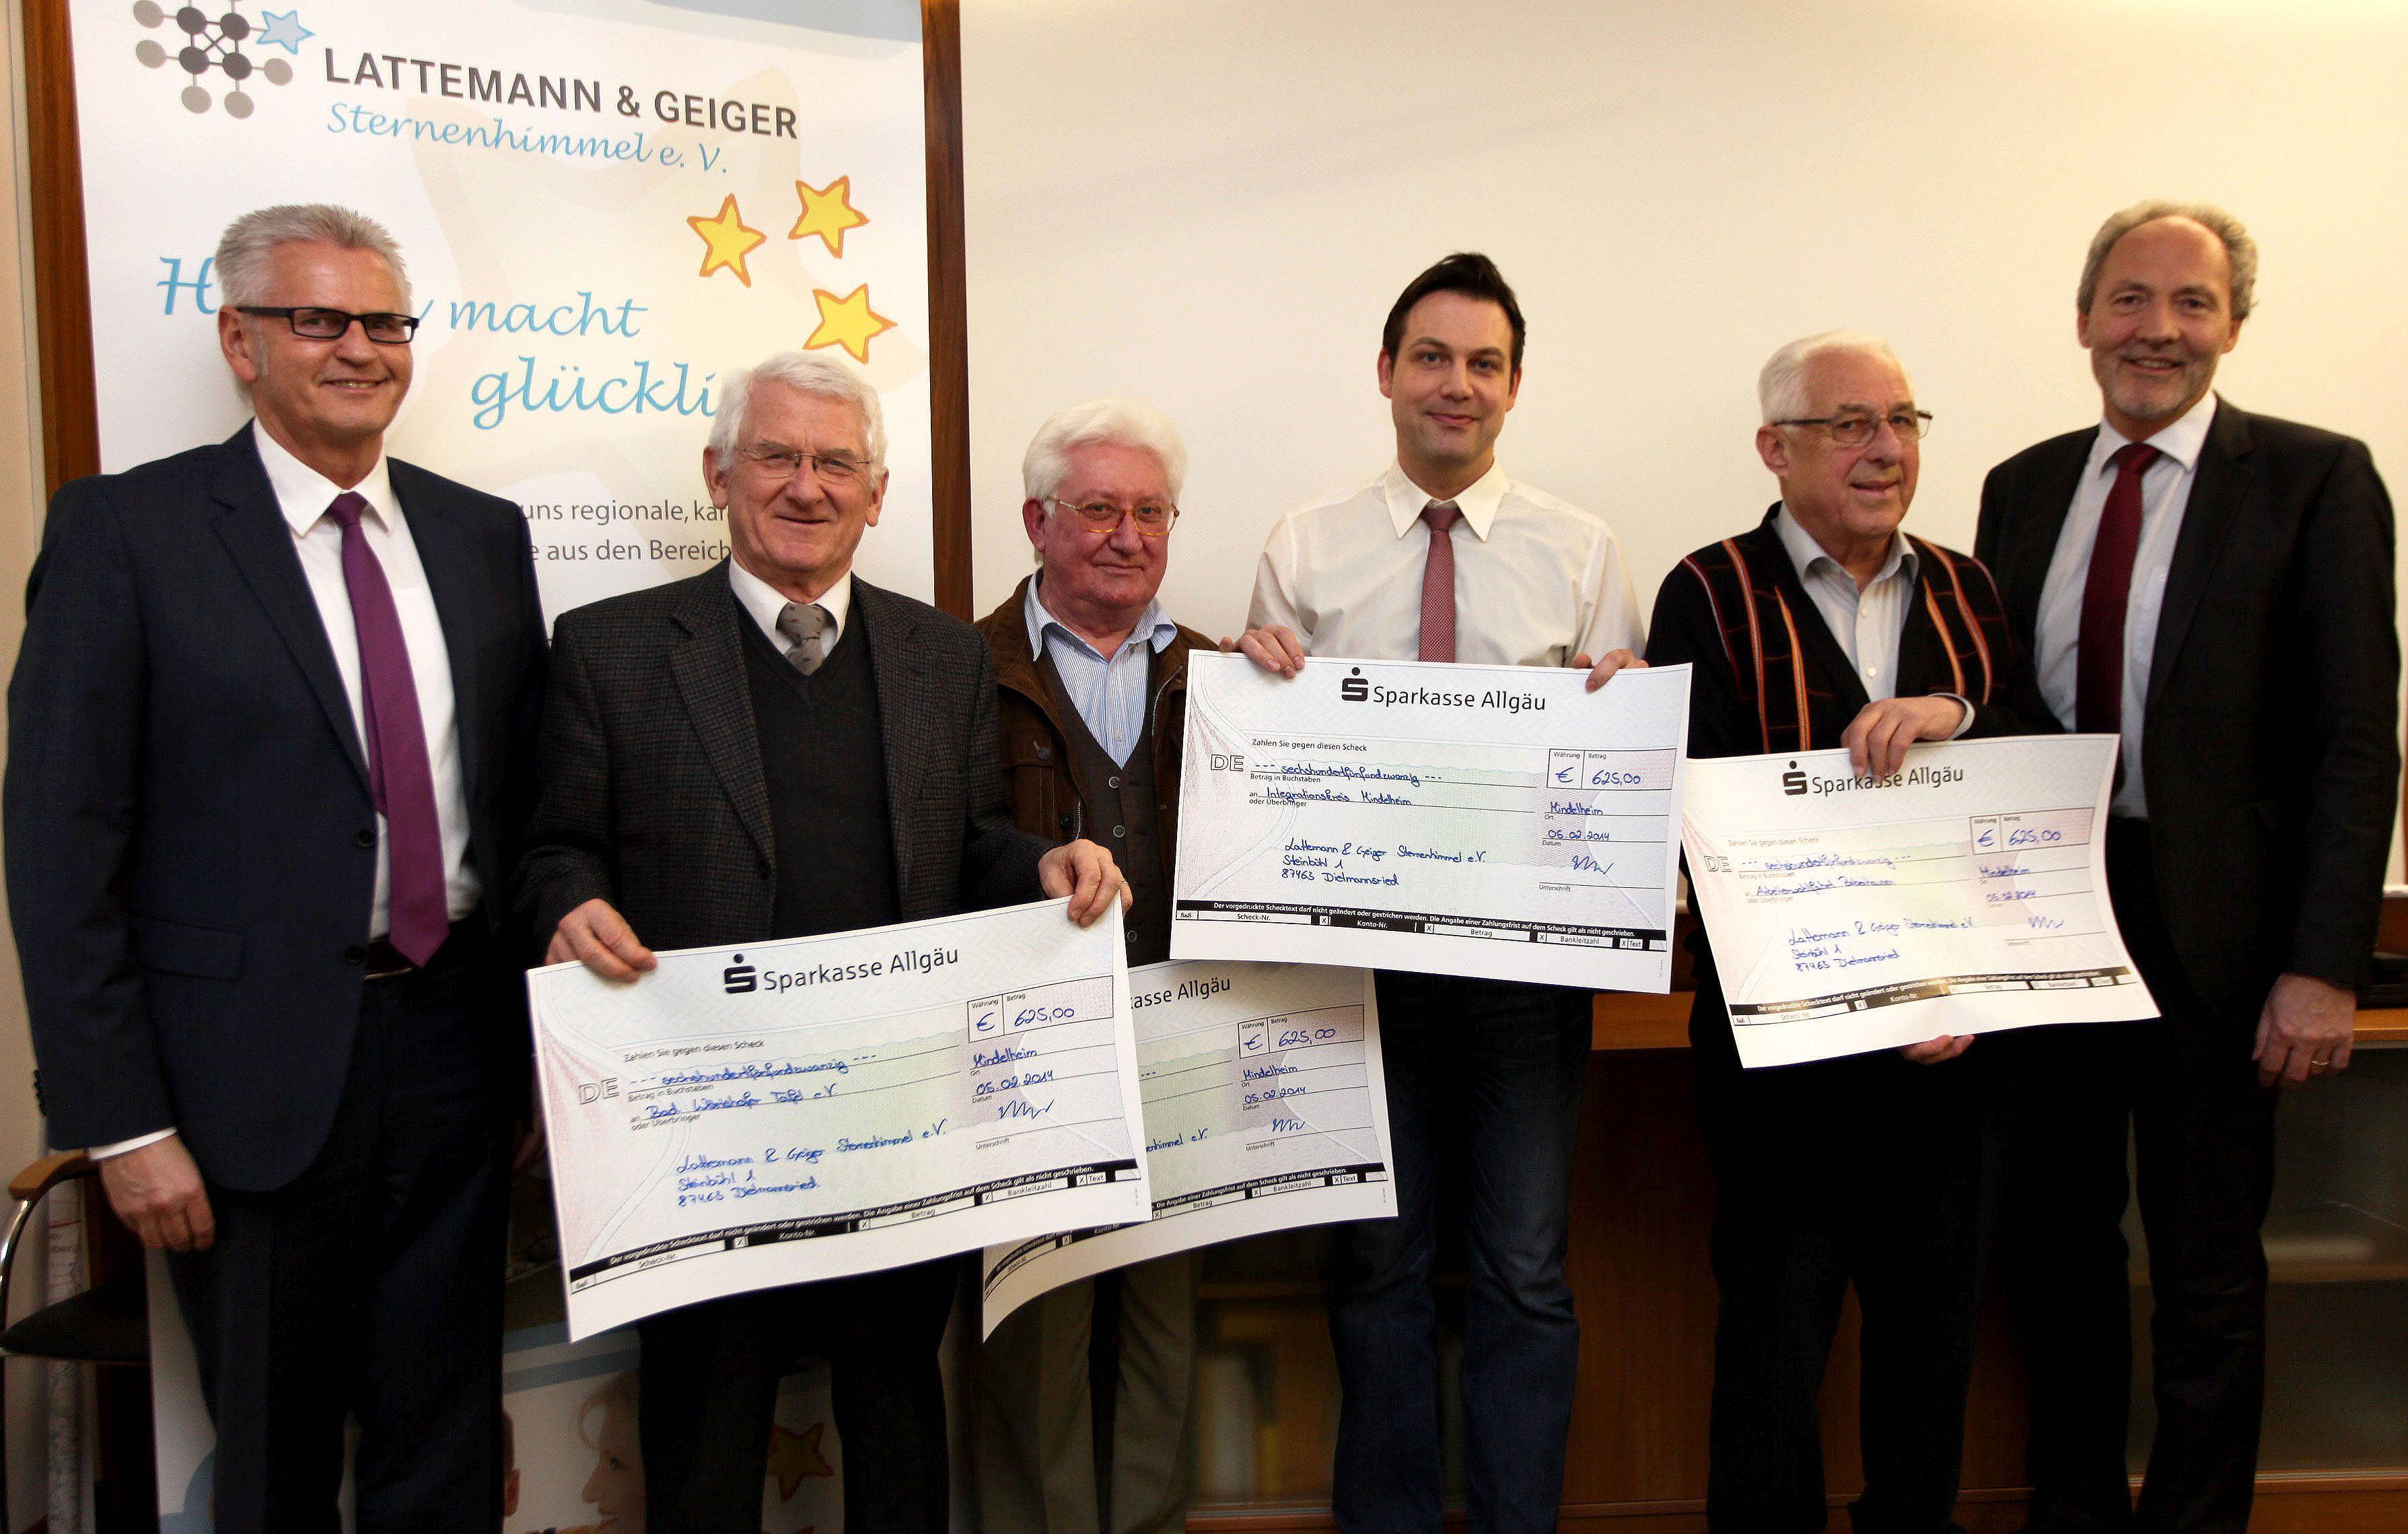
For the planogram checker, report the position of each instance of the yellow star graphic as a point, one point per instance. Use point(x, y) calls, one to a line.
point(827, 212)
point(794, 1455)
point(848, 321)
point(726, 240)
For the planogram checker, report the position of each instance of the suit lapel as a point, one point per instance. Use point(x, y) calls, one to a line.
point(2024, 566)
point(252, 525)
point(900, 666)
point(446, 554)
point(709, 667)
point(2225, 473)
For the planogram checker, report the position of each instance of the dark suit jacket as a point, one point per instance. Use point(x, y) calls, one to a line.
point(654, 797)
point(2272, 754)
point(190, 844)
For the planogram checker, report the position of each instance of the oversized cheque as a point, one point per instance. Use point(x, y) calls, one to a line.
point(1266, 1109)
point(1497, 821)
point(743, 1117)
point(1965, 894)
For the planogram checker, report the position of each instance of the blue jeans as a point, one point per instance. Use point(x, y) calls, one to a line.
point(1505, 1062)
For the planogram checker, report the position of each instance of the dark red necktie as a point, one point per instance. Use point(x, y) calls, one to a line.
point(2099, 657)
point(1438, 582)
point(399, 779)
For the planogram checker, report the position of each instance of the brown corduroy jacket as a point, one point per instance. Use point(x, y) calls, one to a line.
point(1036, 756)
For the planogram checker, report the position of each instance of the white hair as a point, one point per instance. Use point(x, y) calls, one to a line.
point(249, 242)
point(1117, 423)
point(805, 375)
point(1781, 388)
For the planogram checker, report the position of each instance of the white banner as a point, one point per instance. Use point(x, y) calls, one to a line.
point(604, 206)
point(1967, 893)
point(1266, 1109)
point(1499, 820)
point(811, 1108)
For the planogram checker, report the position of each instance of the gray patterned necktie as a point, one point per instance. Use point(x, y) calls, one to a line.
point(805, 625)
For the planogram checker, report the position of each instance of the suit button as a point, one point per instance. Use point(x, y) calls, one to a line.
point(1112, 783)
point(356, 954)
point(1045, 753)
point(1120, 830)
point(1066, 822)
point(366, 838)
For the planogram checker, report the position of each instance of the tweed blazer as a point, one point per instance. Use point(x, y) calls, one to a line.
point(652, 795)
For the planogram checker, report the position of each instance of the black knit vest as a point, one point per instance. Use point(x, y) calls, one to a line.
point(823, 758)
point(1121, 800)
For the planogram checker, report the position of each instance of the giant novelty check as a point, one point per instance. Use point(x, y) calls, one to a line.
point(1965, 894)
point(824, 1106)
point(1466, 820)
point(1265, 1110)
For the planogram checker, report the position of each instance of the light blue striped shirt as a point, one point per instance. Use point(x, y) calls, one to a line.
point(1110, 695)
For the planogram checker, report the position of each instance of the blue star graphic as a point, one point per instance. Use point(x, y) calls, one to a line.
point(285, 29)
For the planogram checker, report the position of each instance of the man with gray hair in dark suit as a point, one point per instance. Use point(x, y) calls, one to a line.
point(777, 749)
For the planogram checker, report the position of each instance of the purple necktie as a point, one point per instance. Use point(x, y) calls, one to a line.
point(399, 779)
point(2099, 651)
point(1438, 582)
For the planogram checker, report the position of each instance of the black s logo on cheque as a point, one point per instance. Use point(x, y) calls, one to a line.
point(740, 977)
point(1793, 782)
point(1354, 689)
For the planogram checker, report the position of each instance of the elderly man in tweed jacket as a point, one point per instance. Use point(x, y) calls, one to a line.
point(775, 748)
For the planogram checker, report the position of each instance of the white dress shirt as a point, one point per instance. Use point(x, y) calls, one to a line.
point(1109, 693)
point(1870, 624)
point(765, 602)
point(2165, 494)
point(303, 494)
point(1537, 581)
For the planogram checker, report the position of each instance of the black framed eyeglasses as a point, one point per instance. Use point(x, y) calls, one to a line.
point(838, 470)
point(1857, 428)
point(1153, 519)
point(328, 325)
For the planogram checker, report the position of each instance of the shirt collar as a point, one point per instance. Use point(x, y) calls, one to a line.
point(1153, 625)
point(765, 602)
point(2181, 441)
point(303, 493)
point(1804, 552)
point(1478, 501)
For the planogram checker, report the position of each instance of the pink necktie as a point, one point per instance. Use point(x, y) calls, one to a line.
point(399, 778)
point(2098, 654)
point(1438, 582)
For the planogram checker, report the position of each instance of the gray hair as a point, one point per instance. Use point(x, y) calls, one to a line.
point(1117, 423)
point(2239, 248)
point(249, 242)
point(1781, 388)
point(805, 375)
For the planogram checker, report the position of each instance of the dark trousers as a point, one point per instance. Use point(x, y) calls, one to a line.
point(1501, 1065)
point(2203, 1131)
point(1865, 1170)
point(371, 1285)
point(709, 1389)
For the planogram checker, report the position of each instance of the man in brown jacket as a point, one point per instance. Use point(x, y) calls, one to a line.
point(1091, 682)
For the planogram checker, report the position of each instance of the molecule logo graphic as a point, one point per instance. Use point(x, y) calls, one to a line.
point(211, 39)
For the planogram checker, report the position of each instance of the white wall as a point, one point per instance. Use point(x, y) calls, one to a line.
point(1212, 205)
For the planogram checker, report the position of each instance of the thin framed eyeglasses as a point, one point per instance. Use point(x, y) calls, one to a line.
point(328, 325)
point(1153, 518)
point(838, 470)
point(1856, 429)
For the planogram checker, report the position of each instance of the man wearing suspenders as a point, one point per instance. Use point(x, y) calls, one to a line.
point(1824, 626)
